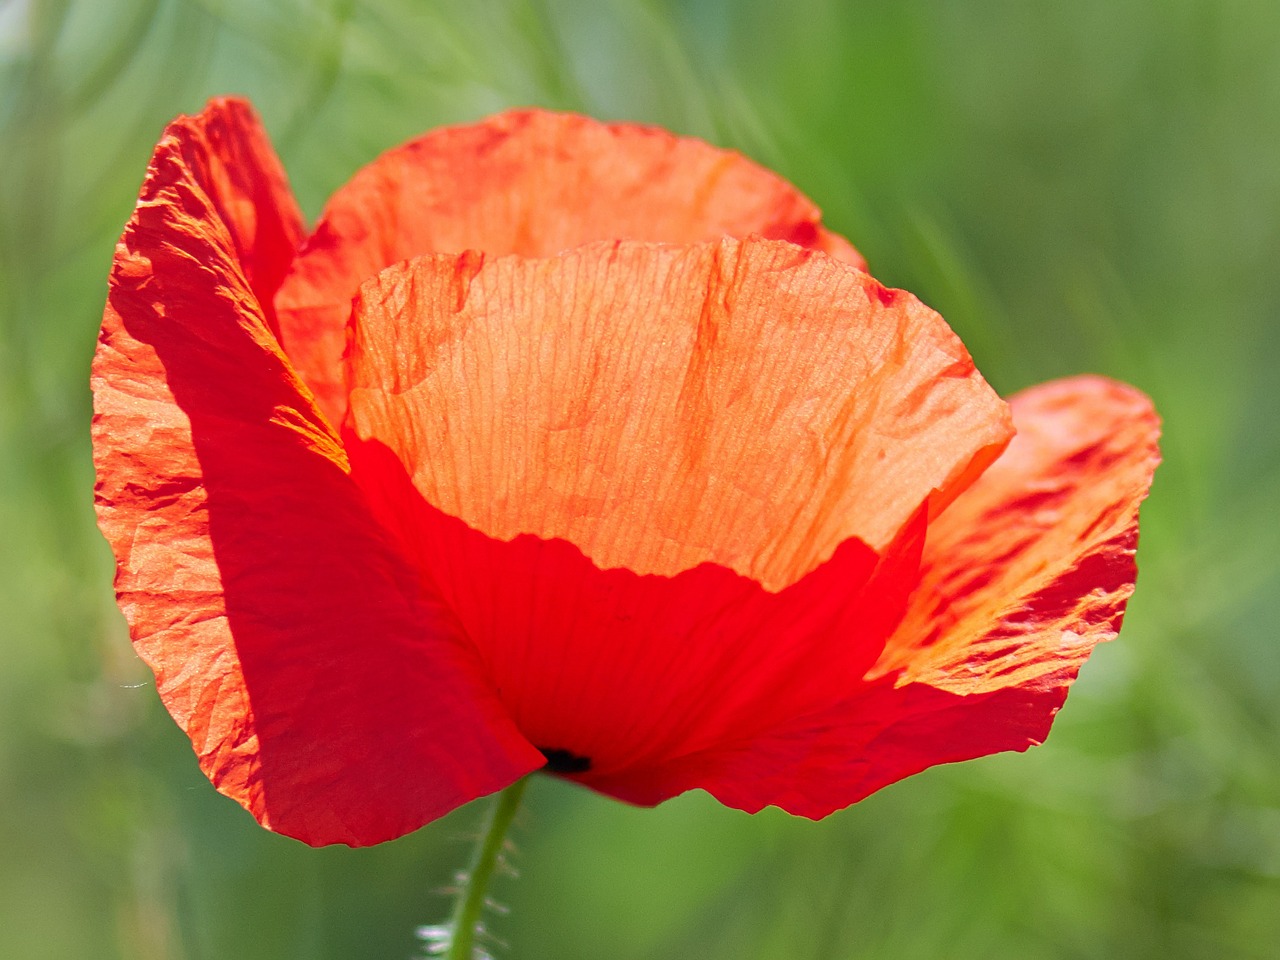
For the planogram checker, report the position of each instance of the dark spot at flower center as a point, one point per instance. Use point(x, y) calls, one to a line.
point(564, 761)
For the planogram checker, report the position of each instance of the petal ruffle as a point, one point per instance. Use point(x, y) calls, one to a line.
point(747, 414)
point(532, 183)
point(226, 150)
point(1022, 576)
point(320, 687)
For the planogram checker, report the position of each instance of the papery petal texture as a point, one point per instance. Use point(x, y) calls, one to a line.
point(665, 435)
point(319, 686)
point(745, 403)
point(531, 183)
point(1021, 577)
point(581, 443)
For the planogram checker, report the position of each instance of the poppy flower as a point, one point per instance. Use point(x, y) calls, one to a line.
point(579, 446)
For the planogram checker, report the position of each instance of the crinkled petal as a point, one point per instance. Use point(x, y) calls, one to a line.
point(618, 466)
point(744, 403)
point(321, 688)
point(532, 183)
point(1022, 576)
point(227, 151)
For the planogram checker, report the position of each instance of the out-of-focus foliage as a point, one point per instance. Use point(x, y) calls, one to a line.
point(1085, 186)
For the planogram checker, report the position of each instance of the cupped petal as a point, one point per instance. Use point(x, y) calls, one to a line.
point(744, 403)
point(320, 687)
point(1021, 577)
point(674, 495)
point(532, 183)
point(612, 670)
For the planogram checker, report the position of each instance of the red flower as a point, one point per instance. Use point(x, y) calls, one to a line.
point(664, 508)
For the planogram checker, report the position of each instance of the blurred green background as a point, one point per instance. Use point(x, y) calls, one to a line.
point(1086, 186)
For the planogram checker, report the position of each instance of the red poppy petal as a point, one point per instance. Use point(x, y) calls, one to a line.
point(744, 403)
point(708, 424)
point(626, 670)
point(532, 183)
point(227, 151)
point(320, 688)
point(1023, 575)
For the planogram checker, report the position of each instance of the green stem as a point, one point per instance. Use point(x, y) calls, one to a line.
point(471, 897)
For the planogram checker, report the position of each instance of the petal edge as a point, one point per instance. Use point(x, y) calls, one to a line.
point(250, 570)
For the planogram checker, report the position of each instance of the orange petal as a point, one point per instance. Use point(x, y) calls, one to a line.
point(1023, 575)
point(320, 688)
point(744, 403)
point(532, 183)
point(226, 150)
point(1039, 552)
point(708, 424)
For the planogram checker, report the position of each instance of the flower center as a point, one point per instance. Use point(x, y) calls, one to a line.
point(564, 761)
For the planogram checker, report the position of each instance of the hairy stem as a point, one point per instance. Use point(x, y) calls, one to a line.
point(465, 922)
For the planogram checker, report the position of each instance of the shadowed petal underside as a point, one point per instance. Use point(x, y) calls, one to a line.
point(319, 686)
